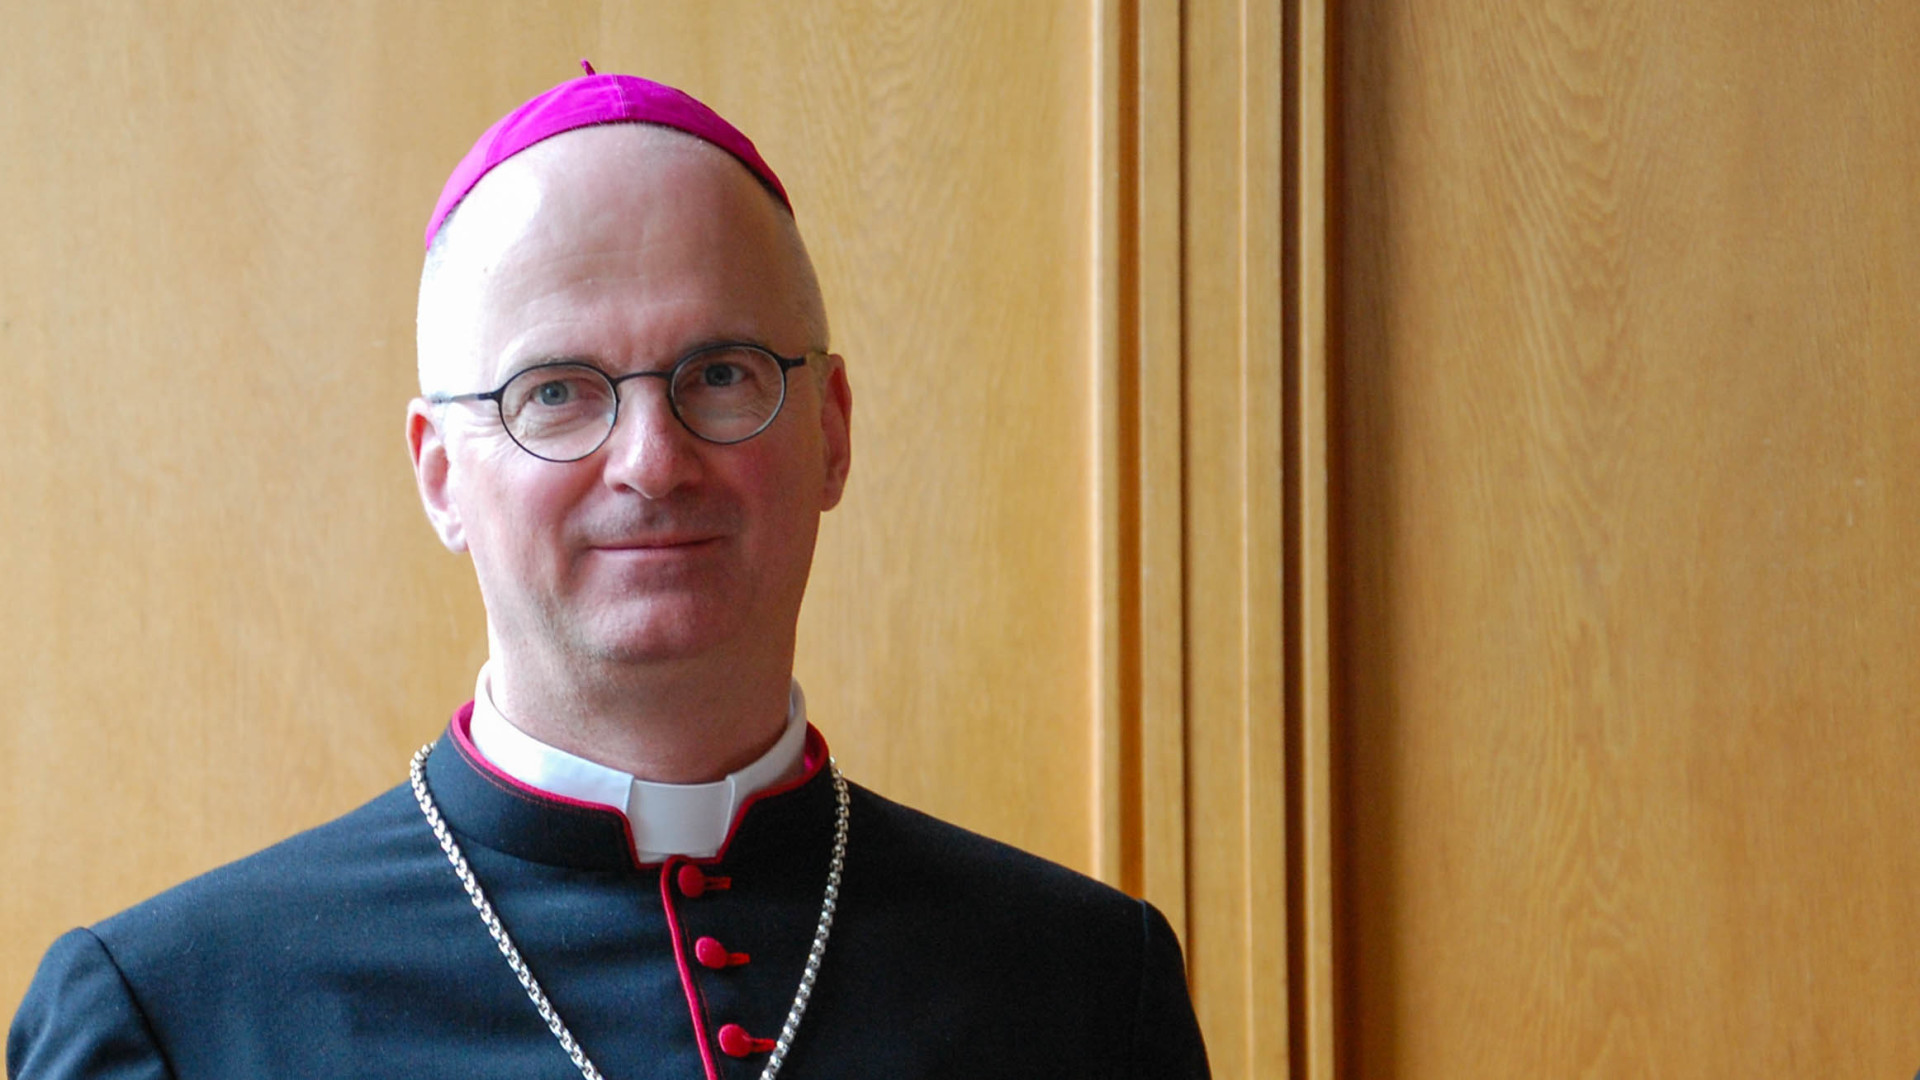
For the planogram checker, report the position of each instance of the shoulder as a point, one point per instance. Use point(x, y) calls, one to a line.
point(316, 876)
point(972, 927)
point(102, 993)
point(925, 853)
point(80, 1019)
point(984, 898)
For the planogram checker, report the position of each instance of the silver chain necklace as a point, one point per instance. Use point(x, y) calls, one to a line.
point(417, 772)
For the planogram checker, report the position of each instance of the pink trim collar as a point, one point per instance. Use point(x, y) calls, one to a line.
point(813, 759)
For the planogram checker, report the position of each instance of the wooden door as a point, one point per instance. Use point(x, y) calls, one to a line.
point(226, 617)
point(1627, 536)
point(227, 620)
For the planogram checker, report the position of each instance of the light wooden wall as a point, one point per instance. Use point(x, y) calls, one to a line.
point(1194, 801)
point(1416, 489)
point(1048, 609)
point(1628, 529)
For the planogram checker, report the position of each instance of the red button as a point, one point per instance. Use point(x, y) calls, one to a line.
point(735, 1042)
point(693, 883)
point(715, 955)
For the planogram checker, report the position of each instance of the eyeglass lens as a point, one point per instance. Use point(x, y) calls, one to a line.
point(563, 412)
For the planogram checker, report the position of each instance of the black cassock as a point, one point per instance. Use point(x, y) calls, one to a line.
point(352, 950)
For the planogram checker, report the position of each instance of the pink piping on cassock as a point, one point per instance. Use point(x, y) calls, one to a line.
point(461, 729)
point(812, 759)
point(694, 1005)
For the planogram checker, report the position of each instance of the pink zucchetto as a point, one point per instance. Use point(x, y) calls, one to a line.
point(584, 102)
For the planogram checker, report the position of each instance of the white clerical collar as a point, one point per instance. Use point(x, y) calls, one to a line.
point(666, 819)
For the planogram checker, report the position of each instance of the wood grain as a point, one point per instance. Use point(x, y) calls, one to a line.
point(1137, 322)
point(1627, 604)
point(1308, 310)
point(1233, 415)
point(227, 618)
point(1050, 608)
point(1161, 566)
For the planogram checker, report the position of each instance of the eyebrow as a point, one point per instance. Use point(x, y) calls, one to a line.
point(543, 360)
point(546, 360)
point(515, 370)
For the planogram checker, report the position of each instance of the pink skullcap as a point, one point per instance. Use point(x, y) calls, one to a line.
point(597, 99)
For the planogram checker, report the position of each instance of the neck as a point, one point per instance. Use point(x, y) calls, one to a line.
point(660, 722)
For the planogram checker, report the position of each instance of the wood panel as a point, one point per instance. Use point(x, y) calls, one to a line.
point(1194, 788)
point(1628, 607)
point(1141, 487)
point(225, 614)
point(1238, 794)
point(1308, 307)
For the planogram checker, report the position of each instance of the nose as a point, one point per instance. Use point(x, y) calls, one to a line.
point(649, 451)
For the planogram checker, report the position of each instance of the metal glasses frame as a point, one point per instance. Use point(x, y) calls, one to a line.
point(671, 375)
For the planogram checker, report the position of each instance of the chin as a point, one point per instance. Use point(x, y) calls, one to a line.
point(655, 636)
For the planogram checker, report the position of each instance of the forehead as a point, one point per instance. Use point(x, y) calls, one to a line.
point(621, 231)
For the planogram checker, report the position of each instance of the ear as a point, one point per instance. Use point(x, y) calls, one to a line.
point(431, 469)
point(836, 430)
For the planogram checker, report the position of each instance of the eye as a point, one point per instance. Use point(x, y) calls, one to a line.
point(555, 393)
point(726, 372)
point(721, 373)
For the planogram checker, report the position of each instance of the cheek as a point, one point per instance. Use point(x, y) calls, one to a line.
point(790, 481)
point(786, 508)
point(515, 517)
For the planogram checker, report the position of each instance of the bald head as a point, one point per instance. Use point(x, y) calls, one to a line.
point(615, 201)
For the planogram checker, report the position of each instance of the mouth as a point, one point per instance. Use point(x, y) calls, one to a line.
point(663, 544)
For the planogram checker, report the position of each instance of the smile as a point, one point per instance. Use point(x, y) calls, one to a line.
point(659, 546)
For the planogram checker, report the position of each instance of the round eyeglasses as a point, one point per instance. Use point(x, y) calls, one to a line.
point(564, 410)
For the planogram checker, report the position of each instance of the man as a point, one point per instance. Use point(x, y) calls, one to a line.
point(630, 852)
